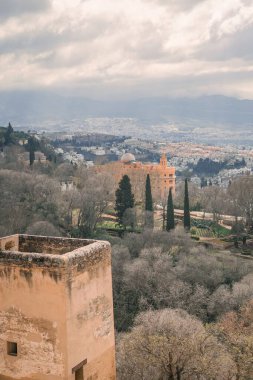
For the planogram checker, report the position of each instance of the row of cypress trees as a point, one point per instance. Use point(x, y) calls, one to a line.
point(170, 222)
point(125, 200)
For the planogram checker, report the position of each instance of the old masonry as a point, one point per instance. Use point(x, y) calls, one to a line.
point(56, 309)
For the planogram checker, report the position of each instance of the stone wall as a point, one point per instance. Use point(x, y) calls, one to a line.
point(90, 308)
point(50, 245)
point(57, 308)
point(32, 314)
point(10, 243)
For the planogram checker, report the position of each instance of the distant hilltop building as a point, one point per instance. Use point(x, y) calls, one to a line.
point(162, 176)
point(56, 309)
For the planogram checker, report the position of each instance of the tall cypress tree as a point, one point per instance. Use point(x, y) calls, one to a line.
point(148, 195)
point(149, 216)
point(170, 225)
point(187, 216)
point(9, 135)
point(31, 149)
point(124, 198)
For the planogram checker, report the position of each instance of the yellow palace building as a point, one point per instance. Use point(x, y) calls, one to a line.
point(162, 175)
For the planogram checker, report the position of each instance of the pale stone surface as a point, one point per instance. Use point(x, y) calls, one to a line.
point(57, 308)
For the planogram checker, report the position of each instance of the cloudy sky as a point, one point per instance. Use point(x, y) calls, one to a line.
point(128, 48)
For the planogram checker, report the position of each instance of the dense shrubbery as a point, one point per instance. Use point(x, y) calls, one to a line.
point(158, 269)
point(170, 344)
point(29, 197)
point(170, 300)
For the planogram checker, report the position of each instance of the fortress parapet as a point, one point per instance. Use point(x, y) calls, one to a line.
point(56, 309)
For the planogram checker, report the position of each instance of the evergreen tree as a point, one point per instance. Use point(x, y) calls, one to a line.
point(203, 182)
point(148, 194)
point(124, 198)
point(8, 134)
point(187, 217)
point(149, 216)
point(170, 213)
point(31, 149)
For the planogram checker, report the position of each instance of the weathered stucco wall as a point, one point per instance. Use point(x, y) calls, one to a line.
point(32, 314)
point(59, 311)
point(90, 325)
point(9, 243)
point(49, 245)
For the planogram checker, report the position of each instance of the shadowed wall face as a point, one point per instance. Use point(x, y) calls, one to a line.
point(56, 310)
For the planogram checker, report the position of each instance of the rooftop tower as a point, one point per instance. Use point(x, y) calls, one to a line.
point(164, 161)
point(56, 310)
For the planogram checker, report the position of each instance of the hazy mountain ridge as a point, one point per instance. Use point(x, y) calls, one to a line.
point(32, 106)
point(208, 119)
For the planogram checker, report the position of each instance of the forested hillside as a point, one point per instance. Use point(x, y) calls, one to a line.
point(183, 304)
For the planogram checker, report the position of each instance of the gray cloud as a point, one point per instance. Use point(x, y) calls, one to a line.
point(237, 45)
point(182, 5)
point(54, 36)
point(187, 46)
point(177, 86)
point(16, 8)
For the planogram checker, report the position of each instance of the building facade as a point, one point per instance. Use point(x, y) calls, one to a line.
point(162, 176)
point(56, 309)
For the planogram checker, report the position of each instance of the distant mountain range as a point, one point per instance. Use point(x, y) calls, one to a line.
point(38, 106)
point(217, 119)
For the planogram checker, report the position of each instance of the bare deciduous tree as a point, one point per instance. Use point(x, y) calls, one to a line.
point(171, 345)
point(43, 228)
point(240, 193)
point(235, 332)
point(26, 198)
point(95, 196)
